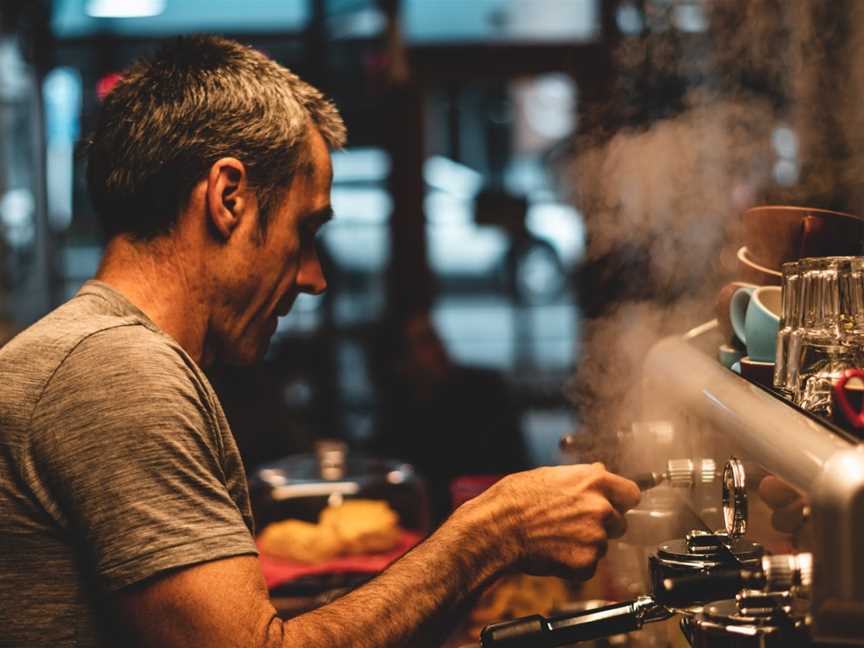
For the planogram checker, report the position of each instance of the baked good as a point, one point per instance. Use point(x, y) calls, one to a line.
point(352, 527)
point(299, 541)
point(363, 526)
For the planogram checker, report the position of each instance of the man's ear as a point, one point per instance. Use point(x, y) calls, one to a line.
point(227, 199)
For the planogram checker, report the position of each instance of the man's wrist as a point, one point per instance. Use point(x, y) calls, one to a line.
point(485, 531)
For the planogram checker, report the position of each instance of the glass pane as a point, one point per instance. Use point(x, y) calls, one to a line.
point(449, 21)
point(76, 18)
point(23, 270)
point(502, 243)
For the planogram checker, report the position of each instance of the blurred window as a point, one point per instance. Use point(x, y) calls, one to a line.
point(76, 18)
point(500, 21)
point(24, 272)
point(503, 243)
point(62, 91)
point(471, 21)
point(690, 17)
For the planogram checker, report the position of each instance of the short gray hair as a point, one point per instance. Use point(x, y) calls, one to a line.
point(173, 115)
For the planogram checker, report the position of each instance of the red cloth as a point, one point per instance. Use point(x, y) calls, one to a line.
point(468, 487)
point(278, 571)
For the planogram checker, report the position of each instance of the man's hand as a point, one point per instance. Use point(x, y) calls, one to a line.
point(557, 520)
point(789, 505)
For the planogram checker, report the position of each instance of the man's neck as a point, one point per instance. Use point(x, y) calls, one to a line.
point(157, 277)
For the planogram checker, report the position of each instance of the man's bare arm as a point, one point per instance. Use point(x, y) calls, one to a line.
point(551, 520)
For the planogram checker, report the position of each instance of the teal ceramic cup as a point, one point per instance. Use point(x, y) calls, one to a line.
point(755, 317)
point(728, 355)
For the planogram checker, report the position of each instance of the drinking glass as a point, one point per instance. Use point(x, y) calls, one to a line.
point(827, 341)
point(854, 298)
point(790, 321)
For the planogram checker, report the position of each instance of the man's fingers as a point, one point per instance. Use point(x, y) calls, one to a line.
point(622, 493)
point(582, 573)
point(776, 492)
point(615, 525)
point(789, 518)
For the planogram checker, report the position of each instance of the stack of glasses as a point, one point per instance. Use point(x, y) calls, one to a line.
point(821, 332)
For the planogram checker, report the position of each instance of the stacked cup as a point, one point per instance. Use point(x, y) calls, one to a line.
point(759, 313)
point(754, 312)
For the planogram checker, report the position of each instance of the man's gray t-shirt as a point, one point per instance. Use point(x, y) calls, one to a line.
point(116, 464)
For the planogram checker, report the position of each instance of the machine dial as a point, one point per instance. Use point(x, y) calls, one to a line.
point(734, 498)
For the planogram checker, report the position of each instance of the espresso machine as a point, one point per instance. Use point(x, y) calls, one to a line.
point(766, 547)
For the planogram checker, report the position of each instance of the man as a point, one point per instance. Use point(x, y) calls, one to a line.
point(125, 513)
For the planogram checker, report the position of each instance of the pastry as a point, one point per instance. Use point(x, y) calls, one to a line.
point(299, 541)
point(363, 526)
point(353, 527)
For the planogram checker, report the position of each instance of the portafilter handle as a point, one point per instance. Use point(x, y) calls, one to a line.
point(683, 591)
point(540, 632)
point(777, 573)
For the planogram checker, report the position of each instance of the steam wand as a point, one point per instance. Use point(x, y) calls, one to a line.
point(682, 473)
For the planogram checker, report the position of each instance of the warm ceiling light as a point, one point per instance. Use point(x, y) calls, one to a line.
point(125, 8)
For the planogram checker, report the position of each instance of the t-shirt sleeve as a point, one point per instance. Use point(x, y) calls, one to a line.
point(127, 459)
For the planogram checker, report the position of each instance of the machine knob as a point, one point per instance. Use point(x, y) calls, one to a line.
point(685, 473)
point(788, 571)
point(735, 498)
point(680, 472)
point(707, 471)
point(701, 542)
point(758, 603)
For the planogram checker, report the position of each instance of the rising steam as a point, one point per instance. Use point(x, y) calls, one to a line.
point(683, 143)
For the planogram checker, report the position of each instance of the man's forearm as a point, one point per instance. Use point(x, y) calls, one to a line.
point(414, 602)
point(548, 520)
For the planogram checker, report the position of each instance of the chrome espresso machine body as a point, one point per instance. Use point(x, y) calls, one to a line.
point(752, 519)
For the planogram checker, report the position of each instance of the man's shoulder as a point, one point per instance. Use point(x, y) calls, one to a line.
point(128, 351)
point(66, 324)
point(123, 373)
point(48, 342)
point(90, 340)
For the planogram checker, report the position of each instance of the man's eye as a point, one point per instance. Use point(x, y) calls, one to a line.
point(310, 233)
point(311, 237)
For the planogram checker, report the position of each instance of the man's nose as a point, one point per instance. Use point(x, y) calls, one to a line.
point(311, 277)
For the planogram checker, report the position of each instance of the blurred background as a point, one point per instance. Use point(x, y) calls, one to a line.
point(451, 237)
point(516, 171)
